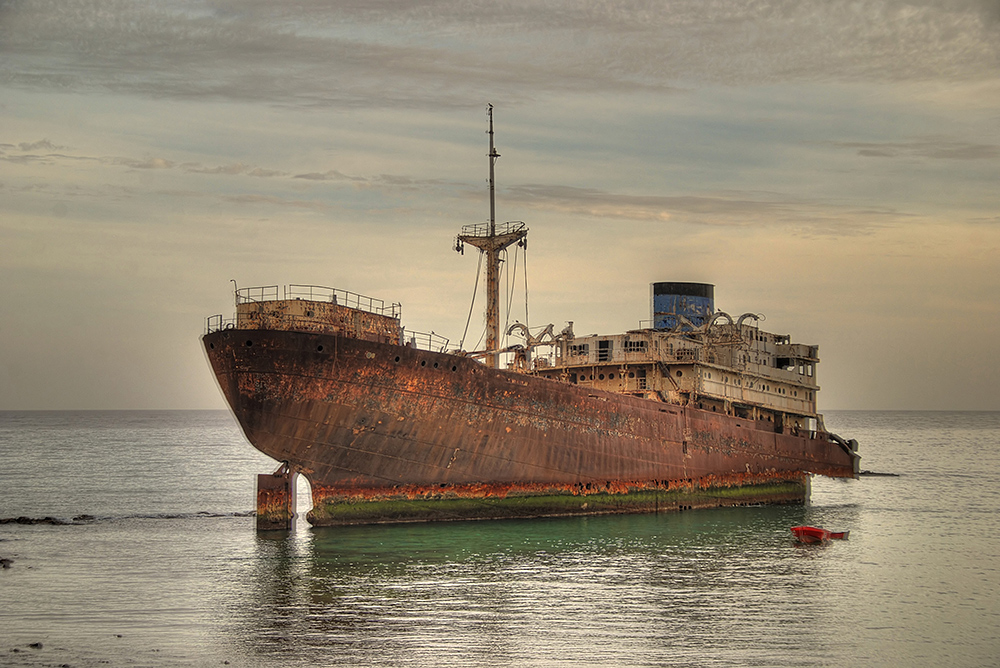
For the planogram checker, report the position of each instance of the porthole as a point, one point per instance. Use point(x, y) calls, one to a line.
point(249, 343)
point(611, 376)
point(212, 346)
point(600, 376)
point(454, 367)
point(319, 349)
point(423, 362)
point(435, 365)
point(631, 374)
point(397, 359)
point(680, 374)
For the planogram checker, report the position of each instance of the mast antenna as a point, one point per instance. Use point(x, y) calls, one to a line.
point(493, 155)
point(491, 241)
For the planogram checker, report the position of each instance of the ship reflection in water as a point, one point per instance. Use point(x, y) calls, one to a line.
point(674, 588)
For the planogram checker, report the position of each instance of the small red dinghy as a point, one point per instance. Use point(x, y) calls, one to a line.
point(816, 535)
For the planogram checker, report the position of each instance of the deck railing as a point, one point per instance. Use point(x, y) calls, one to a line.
point(319, 293)
point(217, 322)
point(425, 341)
point(483, 229)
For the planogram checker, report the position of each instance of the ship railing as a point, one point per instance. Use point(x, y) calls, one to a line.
point(425, 341)
point(266, 293)
point(320, 293)
point(483, 229)
point(343, 298)
point(217, 322)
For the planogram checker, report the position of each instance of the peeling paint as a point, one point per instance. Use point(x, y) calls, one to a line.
point(380, 423)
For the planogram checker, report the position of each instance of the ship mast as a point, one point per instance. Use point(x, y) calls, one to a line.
point(492, 241)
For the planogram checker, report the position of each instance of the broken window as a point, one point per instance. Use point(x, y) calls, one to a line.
point(633, 346)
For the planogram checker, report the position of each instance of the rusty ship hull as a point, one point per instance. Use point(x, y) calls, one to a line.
point(389, 433)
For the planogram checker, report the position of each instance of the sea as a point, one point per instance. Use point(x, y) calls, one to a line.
point(163, 565)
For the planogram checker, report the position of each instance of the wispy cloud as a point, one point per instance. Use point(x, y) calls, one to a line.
point(331, 175)
point(314, 52)
point(28, 155)
point(274, 200)
point(730, 209)
point(933, 149)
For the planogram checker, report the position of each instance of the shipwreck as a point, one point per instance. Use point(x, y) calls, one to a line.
point(695, 409)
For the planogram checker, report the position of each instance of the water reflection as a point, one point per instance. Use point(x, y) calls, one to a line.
point(704, 587)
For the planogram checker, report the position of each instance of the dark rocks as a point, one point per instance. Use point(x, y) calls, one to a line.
point(32, 520)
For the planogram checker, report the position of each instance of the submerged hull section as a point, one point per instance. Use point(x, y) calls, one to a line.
point(392, 433)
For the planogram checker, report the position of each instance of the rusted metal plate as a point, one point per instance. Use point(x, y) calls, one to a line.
point(364, 418)
point(276, 500)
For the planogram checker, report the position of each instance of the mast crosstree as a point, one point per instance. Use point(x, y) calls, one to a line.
point(492, 240)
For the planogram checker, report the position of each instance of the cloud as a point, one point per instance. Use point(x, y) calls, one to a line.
point(36, 145)
point(332, 175)
point(275, 200)
point(159, 163)
point(731, 209)
point(145, 163)
point(936, 150)
point(233, 169)
point(452, 53)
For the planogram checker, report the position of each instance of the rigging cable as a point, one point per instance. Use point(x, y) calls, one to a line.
point(475, 288)
point(510, 290)
point(524, 266)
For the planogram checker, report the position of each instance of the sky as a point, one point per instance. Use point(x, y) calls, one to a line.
point(831, 165)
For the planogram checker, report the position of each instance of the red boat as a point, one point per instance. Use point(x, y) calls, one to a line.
point(805, 534)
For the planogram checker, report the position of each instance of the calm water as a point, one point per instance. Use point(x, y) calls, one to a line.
point(171, 571)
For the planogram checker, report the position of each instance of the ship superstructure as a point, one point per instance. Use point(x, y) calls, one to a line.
point(695, 355)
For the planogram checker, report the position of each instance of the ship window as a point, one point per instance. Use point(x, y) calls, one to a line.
point(249, 343)
point(611, 376)
point(680, 374)
point(631, 374)
point(397, 359)
point(604, 349)
point(454, 367)
point(600, 377)
point(423, 362)
point(319, 348)
point(435, 365)
point(635, 346)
